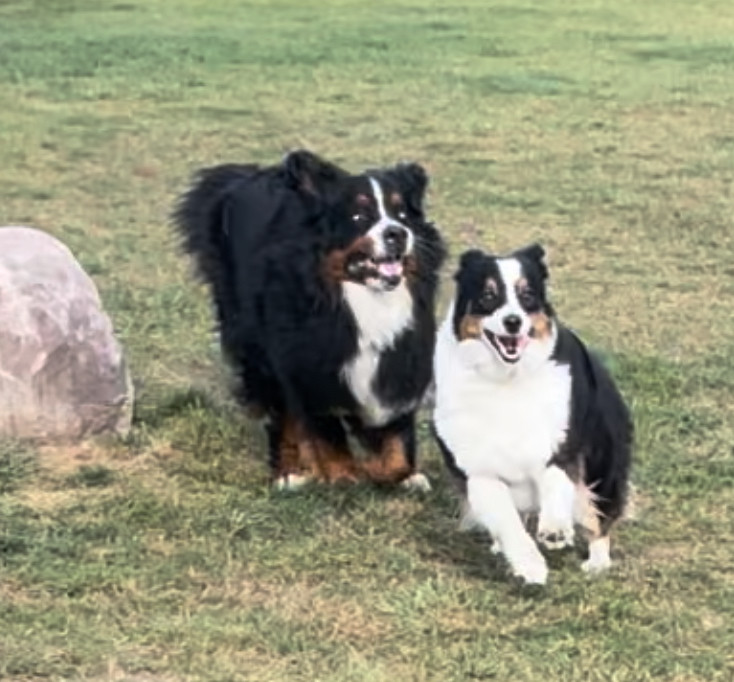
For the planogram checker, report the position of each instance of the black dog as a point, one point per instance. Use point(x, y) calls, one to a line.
point(324, 284)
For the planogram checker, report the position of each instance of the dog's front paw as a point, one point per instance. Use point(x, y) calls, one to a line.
point(291, 481)
point(555, 533)
point(596, 565)
point(556, 538)
point(530, 566)
point(599, 559)
point(417, 481)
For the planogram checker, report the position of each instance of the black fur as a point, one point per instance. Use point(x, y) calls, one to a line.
point(600, 431)
point(260, 237)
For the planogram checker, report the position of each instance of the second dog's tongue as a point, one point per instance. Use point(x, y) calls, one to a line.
point(390, 269)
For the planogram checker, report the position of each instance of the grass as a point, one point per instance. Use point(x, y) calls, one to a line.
point(601, 129)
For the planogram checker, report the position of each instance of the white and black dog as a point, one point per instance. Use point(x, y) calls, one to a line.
point(528, 420)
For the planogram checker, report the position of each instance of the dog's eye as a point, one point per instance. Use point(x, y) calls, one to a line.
point(402, 215)
point(528, 298)
point(488, 298)
point(357, 217)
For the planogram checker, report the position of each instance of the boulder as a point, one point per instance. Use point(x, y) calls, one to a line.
point(62, 372)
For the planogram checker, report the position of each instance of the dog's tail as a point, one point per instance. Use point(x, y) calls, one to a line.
point(249, 196)
point(232, 210)
point(201, 220)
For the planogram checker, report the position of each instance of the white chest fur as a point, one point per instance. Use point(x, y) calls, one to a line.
point(381, 317)
point(506, 429)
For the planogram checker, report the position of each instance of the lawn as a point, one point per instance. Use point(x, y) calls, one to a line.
point(605, 130)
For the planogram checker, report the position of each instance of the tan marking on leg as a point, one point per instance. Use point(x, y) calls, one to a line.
point(289, 460)
point(296, 461)
point(586, 514)
point(334, 463)
point(390, 465)
point(597, 533)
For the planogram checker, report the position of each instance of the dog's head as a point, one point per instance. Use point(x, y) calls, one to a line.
point(501, 303)
point(371, 218)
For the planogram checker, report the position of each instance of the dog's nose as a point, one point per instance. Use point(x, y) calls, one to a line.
point(512, 323)
point(395, 238)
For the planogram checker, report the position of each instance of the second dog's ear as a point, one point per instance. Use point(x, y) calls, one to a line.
point(311, 174)
point(413, 181)
point(469, 261)
point(536, 253)
point(472, 272)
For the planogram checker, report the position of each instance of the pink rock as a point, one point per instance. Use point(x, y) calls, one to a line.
point(62, 372)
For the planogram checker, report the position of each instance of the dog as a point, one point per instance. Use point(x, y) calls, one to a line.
point(324, 285)
point(527, 418)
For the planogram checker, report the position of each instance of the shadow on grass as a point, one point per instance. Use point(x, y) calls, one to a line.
point(175, 403)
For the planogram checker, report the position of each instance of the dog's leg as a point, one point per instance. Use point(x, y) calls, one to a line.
point(557, 503)
point(390, 464)
point(392, 454)
point(599, 559)
point(596, 529)
point(415, 480)
point(292, 461)
point(492, 505)
point(328, 441)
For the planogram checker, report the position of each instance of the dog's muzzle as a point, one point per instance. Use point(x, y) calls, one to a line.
point(389, 255)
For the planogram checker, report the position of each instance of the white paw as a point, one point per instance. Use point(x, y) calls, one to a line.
point(416, 481)
point(599, 559)
point(595, 565)
point(530, 566)
point(555, 536)
point(291, 482)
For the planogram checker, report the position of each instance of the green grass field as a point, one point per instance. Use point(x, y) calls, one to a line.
point(603, 129)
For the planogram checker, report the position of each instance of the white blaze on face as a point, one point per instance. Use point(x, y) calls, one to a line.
point(510, 274)
point(385, 221)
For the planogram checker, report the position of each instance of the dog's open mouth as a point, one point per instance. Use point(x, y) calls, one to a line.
point(509, 347)
point(389, 270)
point(386, 271)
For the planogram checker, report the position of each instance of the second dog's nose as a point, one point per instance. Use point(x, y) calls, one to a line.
point(512, 323)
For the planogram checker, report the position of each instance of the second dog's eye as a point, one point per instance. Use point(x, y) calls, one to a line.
point(528, 298)
point(488, 298)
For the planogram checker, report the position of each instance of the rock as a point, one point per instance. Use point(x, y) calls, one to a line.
point(62, 372)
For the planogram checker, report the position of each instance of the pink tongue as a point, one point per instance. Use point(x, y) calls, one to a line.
point(392, 269)
point(513, 344)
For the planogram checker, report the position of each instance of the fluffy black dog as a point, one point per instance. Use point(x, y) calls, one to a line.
point(324, 284)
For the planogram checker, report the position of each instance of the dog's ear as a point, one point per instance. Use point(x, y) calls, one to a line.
point(413, 181)
point(469, 259)
point(311, 174)
point(536, 254)
point(471, 265)
point(469, 278)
